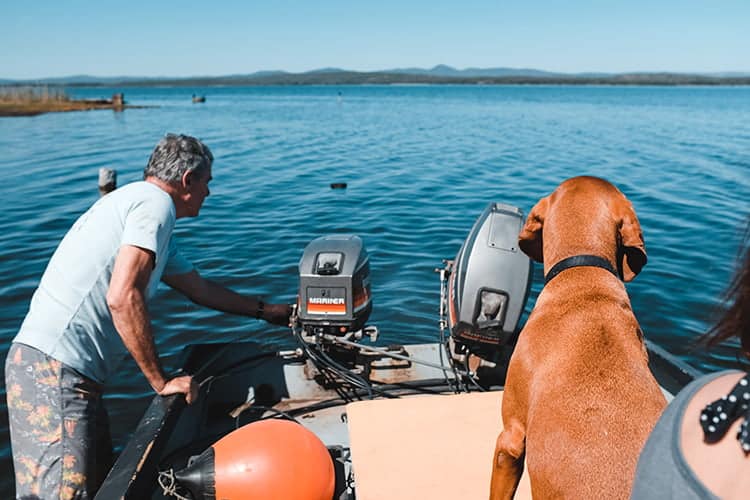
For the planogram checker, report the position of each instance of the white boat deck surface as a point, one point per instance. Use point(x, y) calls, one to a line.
point(426, 447)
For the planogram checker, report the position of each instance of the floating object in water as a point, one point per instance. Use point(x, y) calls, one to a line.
point(338, 185)
point(269, 458)
point(107, 180)
point(199, 98)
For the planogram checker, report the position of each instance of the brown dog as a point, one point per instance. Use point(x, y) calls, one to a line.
point(579, 399)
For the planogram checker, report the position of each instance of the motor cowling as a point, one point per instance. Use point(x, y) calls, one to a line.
point(489, 282)
point(334, 285)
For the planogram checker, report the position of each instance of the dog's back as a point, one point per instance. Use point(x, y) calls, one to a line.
point(579, 390)
point(590, 398)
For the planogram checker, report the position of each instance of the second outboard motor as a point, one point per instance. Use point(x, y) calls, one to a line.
point(489, 283)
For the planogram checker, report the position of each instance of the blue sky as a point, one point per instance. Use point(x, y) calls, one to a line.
point(165, 38)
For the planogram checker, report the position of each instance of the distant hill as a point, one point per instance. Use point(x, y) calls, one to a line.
point(448, 71)
point(84, 79)
point(729, 74)
point(440, 74)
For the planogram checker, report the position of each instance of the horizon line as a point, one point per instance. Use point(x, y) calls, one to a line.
point(387, 70)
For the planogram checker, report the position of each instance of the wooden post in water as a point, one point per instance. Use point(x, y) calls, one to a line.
point(118, 101)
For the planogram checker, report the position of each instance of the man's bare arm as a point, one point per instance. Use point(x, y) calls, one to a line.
point(211, 294)
point(127, 303)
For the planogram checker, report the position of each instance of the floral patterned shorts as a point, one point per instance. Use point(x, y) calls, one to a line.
point(59, 430)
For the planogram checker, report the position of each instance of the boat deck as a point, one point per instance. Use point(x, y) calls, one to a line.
point(414, 439)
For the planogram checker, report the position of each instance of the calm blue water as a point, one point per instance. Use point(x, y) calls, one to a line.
point(421, 163)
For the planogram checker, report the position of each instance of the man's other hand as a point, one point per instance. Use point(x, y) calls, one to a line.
point(183, 384)
point(277, 314)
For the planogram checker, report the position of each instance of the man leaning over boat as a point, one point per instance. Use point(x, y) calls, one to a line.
point(91, 305)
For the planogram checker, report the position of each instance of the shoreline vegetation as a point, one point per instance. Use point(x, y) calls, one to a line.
point(27, 98)
point(440, 74)
point(378, 78)
point(35, 100)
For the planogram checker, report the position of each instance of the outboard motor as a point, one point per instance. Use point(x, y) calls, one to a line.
point(488, 285)
point(334, 286)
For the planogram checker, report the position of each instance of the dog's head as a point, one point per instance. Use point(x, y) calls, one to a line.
point(631, 251)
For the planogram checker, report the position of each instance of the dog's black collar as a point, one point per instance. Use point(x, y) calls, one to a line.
point(578, 261)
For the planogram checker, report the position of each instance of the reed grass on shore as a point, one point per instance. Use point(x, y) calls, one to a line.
point(33, 100)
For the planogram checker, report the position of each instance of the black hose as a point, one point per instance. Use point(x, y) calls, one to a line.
point(277, 413)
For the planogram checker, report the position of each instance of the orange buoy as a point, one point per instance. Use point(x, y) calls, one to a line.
point(267, 459)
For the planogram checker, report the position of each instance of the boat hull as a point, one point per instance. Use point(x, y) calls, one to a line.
point(171, 432)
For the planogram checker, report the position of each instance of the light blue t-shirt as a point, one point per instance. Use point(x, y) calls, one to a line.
point(68, 318)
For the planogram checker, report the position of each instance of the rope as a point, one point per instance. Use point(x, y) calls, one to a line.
point(169, 485)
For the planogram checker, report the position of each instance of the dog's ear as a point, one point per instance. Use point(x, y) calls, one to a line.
point(633, 250)
point(530, 237)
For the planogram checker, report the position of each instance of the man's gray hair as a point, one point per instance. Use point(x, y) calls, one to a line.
point(175, 155)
